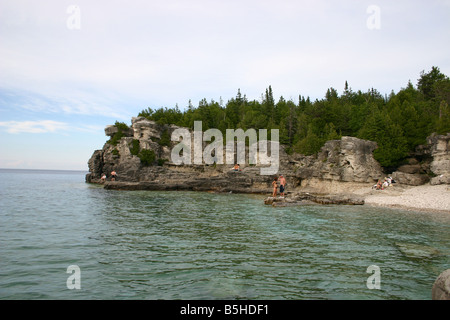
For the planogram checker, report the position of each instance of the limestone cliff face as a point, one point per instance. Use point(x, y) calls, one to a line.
point(440, 151)
point(348, 160)
point(430, 163)
point(339, 165)
point(120, 158)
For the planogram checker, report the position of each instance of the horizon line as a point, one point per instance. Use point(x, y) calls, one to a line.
point(30, 169)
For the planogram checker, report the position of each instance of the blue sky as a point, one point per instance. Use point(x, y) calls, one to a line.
point(70, 68)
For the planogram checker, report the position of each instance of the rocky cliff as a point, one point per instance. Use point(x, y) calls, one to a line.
point(430, 163)
point(141, 156)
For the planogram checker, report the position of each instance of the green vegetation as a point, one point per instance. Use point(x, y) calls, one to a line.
point(165, 138)
point(147, 157)
point(397, 122)
point(135, 147)
point(162, 161)
point(121, 127)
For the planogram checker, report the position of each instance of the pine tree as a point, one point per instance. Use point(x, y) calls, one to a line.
point(392, 145)
point(426, 83)
point(309, 145)
point(443, 123)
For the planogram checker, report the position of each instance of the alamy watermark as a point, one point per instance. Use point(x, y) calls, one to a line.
point(374, 281)
point(74, 280)
point(190, 149)
point(373, 22)
point(73, 22)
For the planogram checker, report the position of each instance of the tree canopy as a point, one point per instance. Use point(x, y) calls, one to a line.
point(398, 122)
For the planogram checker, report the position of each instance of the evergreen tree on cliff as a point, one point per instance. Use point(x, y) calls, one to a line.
point(398, 122)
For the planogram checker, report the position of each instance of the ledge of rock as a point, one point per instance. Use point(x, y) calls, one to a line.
point(307, 198)
point(199, 184)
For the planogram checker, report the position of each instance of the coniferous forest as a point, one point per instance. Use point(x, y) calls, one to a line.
point(398, 122)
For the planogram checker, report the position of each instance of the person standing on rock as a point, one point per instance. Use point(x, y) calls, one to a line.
point(282, 185)
point(275, 186)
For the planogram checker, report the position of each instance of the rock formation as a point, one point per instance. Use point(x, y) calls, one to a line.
point(344, 162)
point(429, 163)
point(441, 287)
point(141, 156)
point(440, 151)
point(301, 199)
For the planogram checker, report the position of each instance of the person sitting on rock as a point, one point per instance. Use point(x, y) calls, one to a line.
point(236, 167)
point(113, 175)
point(103, 178)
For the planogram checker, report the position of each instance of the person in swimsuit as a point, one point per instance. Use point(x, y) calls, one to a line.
point(275, 186)
point(282, 185)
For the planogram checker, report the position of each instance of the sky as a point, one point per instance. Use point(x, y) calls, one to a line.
point(70, 68)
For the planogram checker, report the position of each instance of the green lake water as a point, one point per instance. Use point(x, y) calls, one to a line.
point(195, 245)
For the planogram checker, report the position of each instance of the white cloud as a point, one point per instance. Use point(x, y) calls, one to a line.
point(50, 126)
point(40, 126)
point(167, 52)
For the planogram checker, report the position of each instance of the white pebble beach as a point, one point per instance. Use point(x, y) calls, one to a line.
point(421, 198)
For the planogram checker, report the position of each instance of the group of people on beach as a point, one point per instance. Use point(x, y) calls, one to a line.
point(282, 182)
point(381, 185)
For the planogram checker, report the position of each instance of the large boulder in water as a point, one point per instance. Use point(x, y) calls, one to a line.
point(441, 287)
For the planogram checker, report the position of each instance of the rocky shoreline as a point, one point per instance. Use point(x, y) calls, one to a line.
point(343, 172)
point(425, 198)
point(300, 199)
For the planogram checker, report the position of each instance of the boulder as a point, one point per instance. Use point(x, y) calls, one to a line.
point(410, 168)
point(111, 130)
point(441, 287)
point(410, 179)
point(271, 200)
point(441, 179)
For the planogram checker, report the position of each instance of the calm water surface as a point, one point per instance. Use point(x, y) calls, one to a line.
point(189, 245)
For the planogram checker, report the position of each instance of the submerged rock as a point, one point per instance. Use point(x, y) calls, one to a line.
point(307, 198)
point(417, 251)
